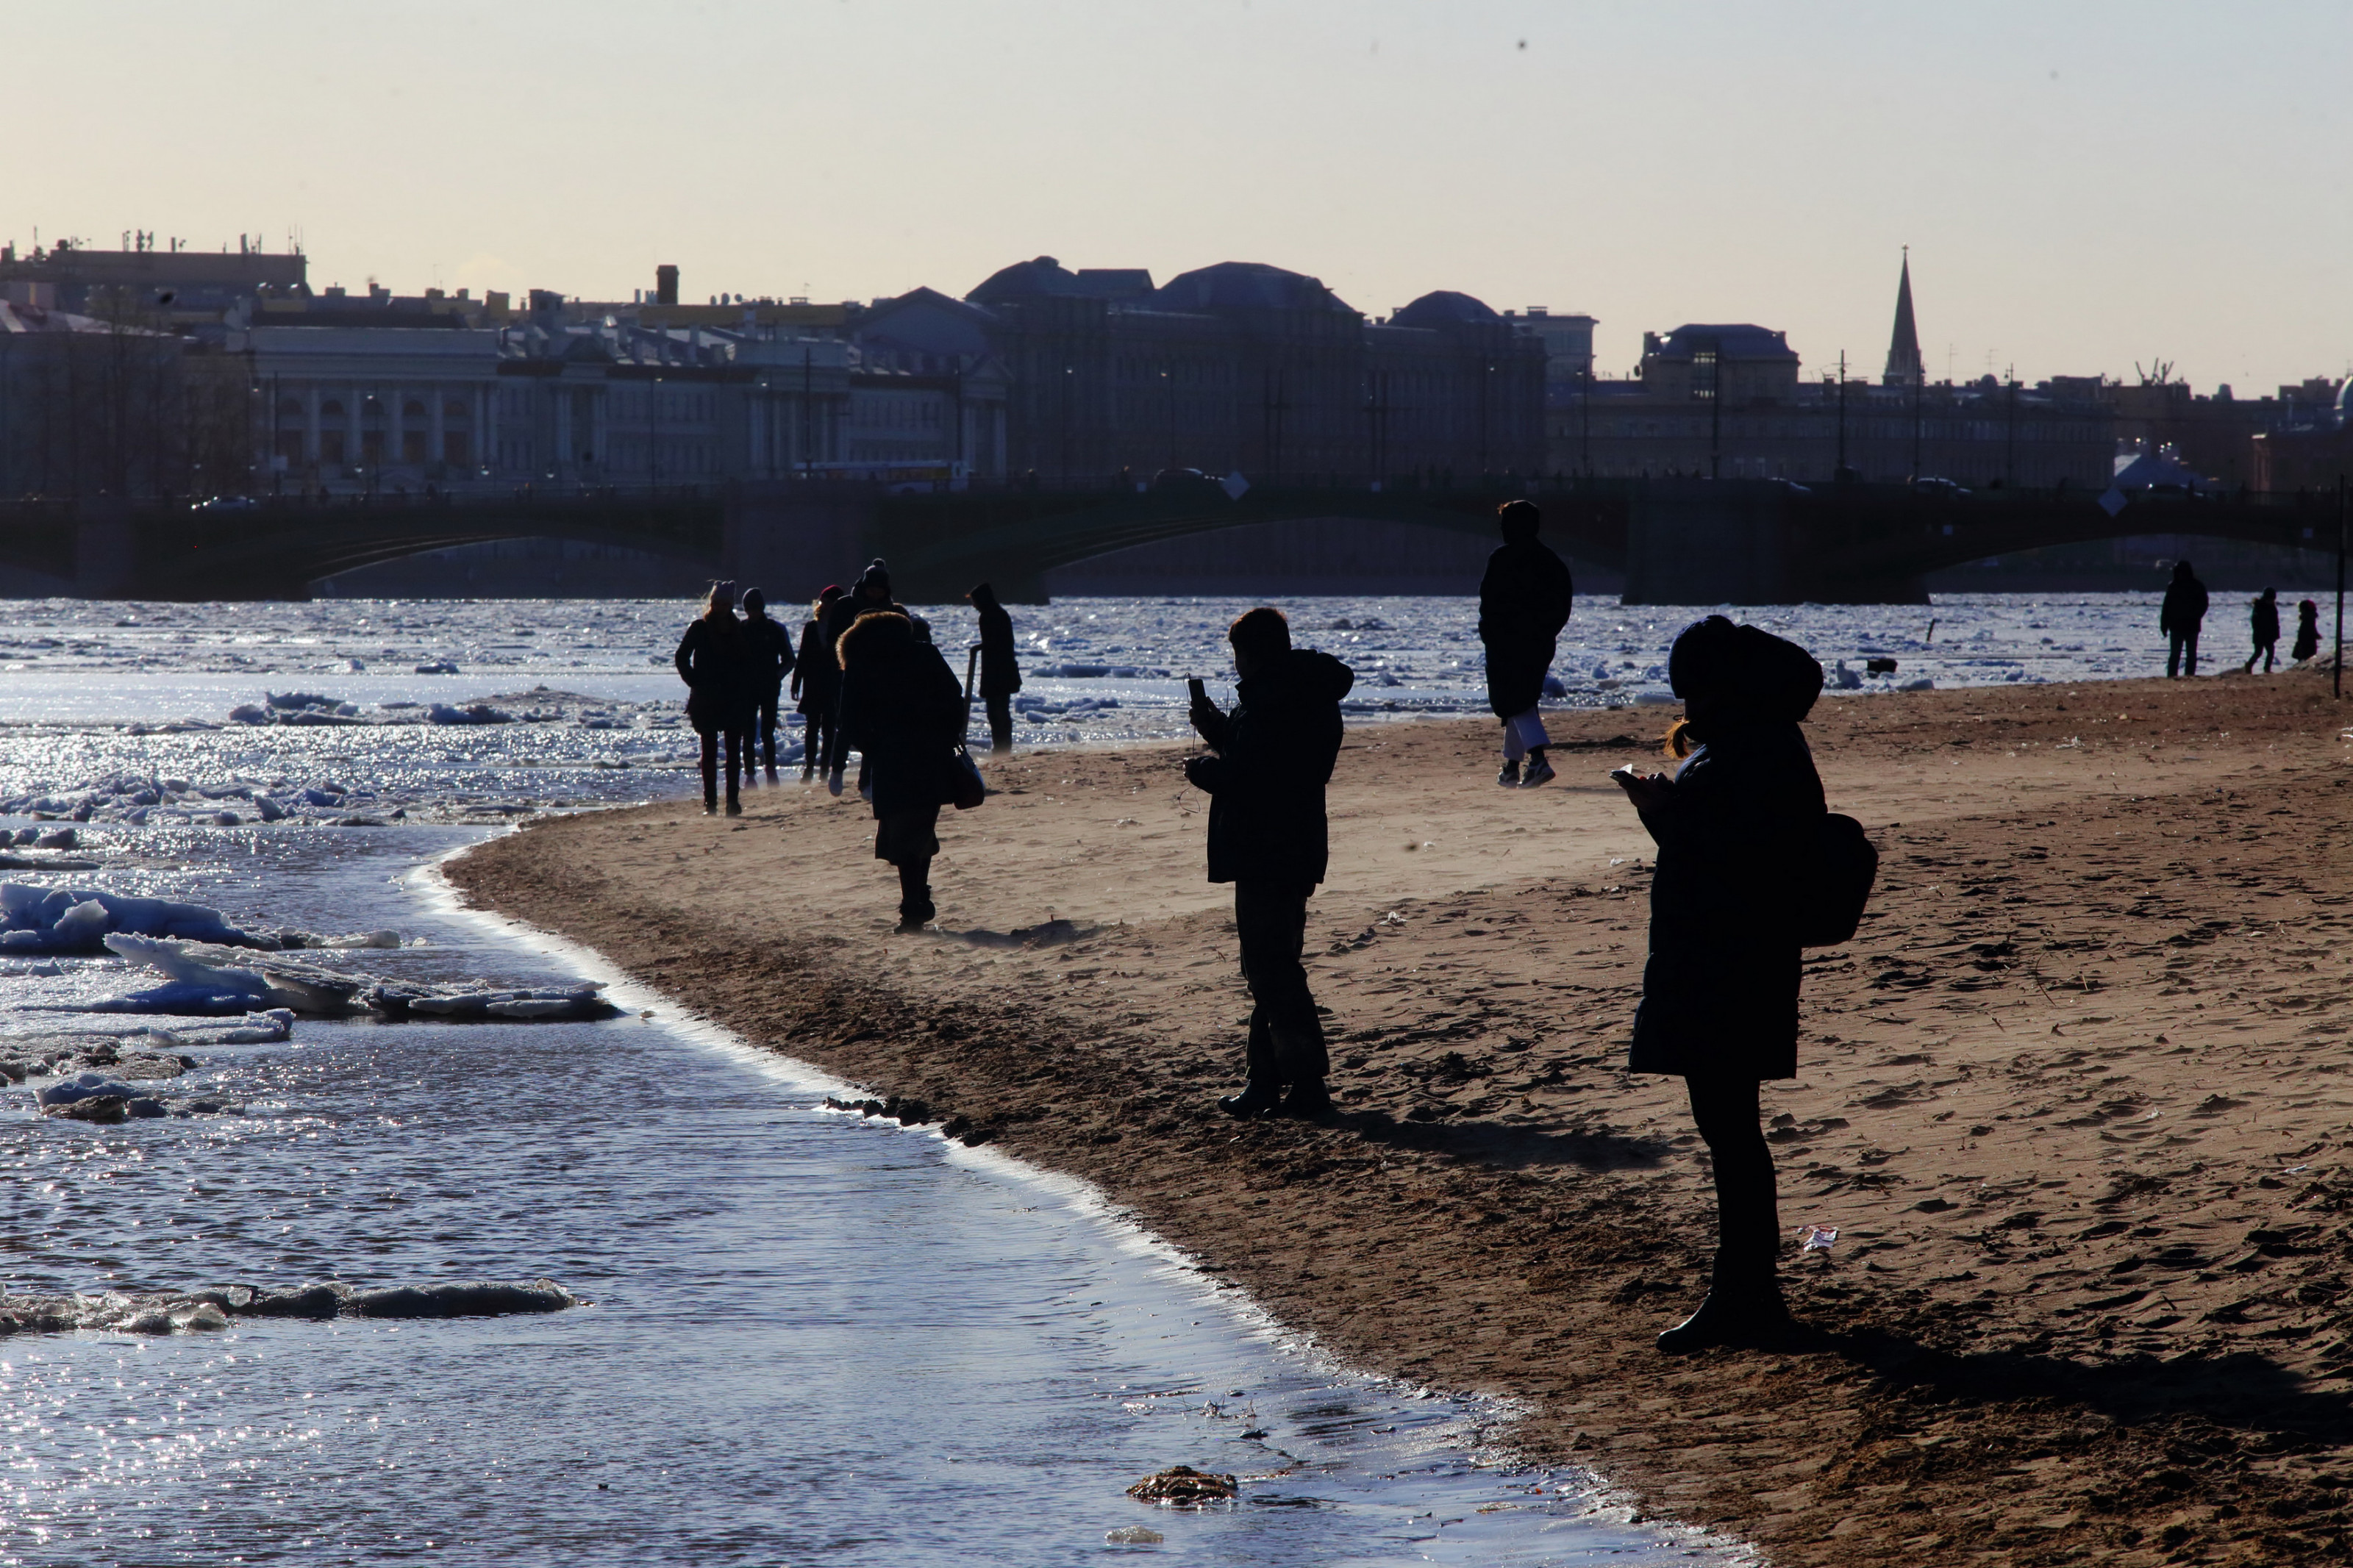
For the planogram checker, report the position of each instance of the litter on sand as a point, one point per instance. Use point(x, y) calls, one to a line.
point(1818, 1239)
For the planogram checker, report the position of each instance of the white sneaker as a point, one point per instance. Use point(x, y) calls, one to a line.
point(1509, 777)
point(1539, 772)
point(833, 783)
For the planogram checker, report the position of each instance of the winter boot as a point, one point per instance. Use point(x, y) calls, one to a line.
point(1258, 1097)
point(1539, 771)
point(1746, 1311)
point(1509, 777)
point(1308, 1100)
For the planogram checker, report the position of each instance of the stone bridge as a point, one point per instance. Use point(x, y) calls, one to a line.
point(1679, 540)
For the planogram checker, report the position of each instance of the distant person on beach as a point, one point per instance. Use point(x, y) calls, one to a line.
point(1523, 600)
point(2184, 610)
point(817, 685)
point(1268, 837)
point(714, 661)
point(2262, 621)
point(1000, 675)
point(1734, 822)
point(870, 593)
point(2307, 631)
point(768, 651)
point(903, 710)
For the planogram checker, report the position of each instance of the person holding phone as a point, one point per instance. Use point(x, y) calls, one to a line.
point(1268, 837)
point(1734, 823)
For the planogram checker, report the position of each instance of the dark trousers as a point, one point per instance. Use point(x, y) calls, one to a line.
point(763, 731)
point(1000, 721)
point(1286, 1034)
point(2184, 651)
point(2267, 652)
point(816, 738)
point(1748, 1223)
point(737, 752)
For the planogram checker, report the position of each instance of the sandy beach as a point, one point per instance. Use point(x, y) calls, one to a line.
point(2078, 1099)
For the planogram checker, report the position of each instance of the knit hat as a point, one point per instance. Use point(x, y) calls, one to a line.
point(1748, 669)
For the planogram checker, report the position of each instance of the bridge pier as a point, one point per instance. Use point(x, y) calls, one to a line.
point(106, 550)
point(790, 538)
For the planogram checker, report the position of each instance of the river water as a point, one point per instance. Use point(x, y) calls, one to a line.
point(811, 1336)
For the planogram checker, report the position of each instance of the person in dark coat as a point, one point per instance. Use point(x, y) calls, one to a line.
point(2262, 621)
point(2183, 612)
point(714, 661)
point(1000, 677)
point(2307, 631)
point(1523, 600)
point(817, 684)
point(870, 593)
point(1268, 837)
point(1734, 823)
point(903, 709)
point(768, 652)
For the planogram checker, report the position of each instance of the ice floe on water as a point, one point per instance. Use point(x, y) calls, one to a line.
point(214, 1310)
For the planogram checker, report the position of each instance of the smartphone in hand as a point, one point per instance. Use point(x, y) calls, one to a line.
point(1200, 691)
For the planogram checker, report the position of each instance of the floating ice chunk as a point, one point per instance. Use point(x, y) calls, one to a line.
point(472, 713)
point(439, 667)
point(35, 919)
point(330, 797)
point(1925, 683)
point(248, 713)
point(84, 1086)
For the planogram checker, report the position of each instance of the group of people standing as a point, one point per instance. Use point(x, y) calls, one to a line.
point(865, 678)
point(2183, 613)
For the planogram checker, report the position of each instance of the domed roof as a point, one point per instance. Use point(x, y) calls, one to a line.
point(1246, 286)
point(1044, 276)
point(2345, 402)
point(1444, 308)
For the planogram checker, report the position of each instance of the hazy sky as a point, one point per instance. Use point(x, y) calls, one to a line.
point(2083, 185)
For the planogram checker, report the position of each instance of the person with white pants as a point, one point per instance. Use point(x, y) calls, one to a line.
point(1523, 600)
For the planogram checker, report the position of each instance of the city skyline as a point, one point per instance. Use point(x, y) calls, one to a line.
point(2081, 192)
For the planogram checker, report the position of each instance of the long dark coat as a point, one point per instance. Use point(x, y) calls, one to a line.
point(2184, 607)
point(1000, 676)
point(1523, 600)
point(1720, 988)
point(1275, 754)
point(2263, 620)
point(817, 680)
point(714, 662)
point(903, 709)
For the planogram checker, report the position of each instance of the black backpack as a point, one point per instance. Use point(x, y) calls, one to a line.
point(1836, 883)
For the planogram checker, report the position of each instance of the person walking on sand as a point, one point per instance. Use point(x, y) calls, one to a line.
point(2307, 631)
point(1268, 837)
point(768, 653)
point(1523, 600)
point(1000, 676)
point(817, 685)
point(903, 709)
point(1734, 823)
point(2263, 620)
point(2183, 612)
point(714, 661)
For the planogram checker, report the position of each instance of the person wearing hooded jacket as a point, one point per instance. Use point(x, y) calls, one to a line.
point(2263, 623)
point(768, 653)
point(1268, 837)
point(1734, 822)
point(870, 593)
point(1000, 675)
point(2178, 617)
point(1523, 600)
point(2307, 631)
point(715, 664)
point(903, 709)
point(817, 684)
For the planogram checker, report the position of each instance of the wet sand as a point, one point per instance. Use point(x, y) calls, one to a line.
point(2078, 1098)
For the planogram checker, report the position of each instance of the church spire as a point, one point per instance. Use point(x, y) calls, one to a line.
point(1904, 346)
